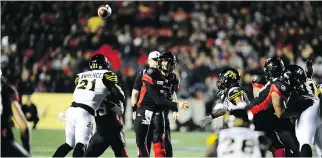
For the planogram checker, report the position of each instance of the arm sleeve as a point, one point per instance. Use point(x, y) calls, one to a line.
point(138, 81)
point(259, 99)
point(110, 81)
point(160, 102)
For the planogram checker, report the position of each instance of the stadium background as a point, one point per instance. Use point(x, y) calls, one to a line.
point(45, 44)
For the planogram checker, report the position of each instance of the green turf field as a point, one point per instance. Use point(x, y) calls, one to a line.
point(45, 142)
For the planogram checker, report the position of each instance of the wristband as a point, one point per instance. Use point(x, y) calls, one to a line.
point(134, 107)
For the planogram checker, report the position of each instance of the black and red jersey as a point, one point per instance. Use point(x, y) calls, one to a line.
point(8, 94)
point(264, 99)
point(259, 81)
point(157, 90)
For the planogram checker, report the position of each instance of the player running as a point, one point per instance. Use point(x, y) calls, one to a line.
point(154, 100)
point(238, 140)
point(268, 106)
point(91, 89)
point(10, 109)
point(233, 97)
point(303, 104)
point(108, 130)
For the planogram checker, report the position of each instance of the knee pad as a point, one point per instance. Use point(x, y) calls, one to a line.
point(306, 150)
point(79, 150)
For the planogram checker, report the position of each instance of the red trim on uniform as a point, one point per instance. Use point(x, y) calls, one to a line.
point(276, 90)
point(142, 94)
point(263, 105)
point(148, 79)
point(118, 119)
point(280, 152)
point(4, 132)
point(257, 85)
point(14, 97)
point(126, 152)
point(159, 150)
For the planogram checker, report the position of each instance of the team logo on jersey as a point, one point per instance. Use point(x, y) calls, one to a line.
point(283, 88)
point(255, 78)
point(160, 82)
point(149, 71)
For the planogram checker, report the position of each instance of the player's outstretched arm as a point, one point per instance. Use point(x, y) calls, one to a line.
point(204, 121)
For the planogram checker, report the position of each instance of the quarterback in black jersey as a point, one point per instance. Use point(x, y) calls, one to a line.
point(153, 62)
point(155, 99)
point(233, 97)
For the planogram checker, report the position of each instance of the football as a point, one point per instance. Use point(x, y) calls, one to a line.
point(104, 11)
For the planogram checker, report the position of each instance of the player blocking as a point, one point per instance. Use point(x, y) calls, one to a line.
point(91, 89)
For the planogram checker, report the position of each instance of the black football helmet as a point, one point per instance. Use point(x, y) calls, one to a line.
point(273, 68)
point(227, 78)
point(295, 75)
point(99, 62)
point(172, 61)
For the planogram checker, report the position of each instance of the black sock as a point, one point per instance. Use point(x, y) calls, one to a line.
point(79, 150)
point(63, 150)
point(306, 151)
point(25, 139)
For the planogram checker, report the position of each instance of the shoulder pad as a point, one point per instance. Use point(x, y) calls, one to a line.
point(151, 71)
point(260, 79)
point(110, 76)
point(282, 86)
point(235, 92)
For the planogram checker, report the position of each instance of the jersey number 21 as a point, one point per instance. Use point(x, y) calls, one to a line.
point(86, 84)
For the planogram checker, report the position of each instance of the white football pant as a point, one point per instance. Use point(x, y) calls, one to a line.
point(79, 126)
point(306, 125)
point(318, 137)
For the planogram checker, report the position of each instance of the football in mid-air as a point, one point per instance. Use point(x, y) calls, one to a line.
point(104, 11)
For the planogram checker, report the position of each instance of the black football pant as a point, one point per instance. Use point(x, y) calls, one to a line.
point(168, 145)
point(101, 141)
point(280, 131)
point(145, 118)
point(9, 147)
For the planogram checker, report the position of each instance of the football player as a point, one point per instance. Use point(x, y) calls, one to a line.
point(238, 139)
point(91, 89)
point(304, 105)
point(153, 62)
point(11, 109)
point(232, 95)
point(318, 138)
point(268, 106)
point(108, 130)
point(155, 99)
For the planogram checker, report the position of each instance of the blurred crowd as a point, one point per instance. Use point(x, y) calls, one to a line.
point(45, 44)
